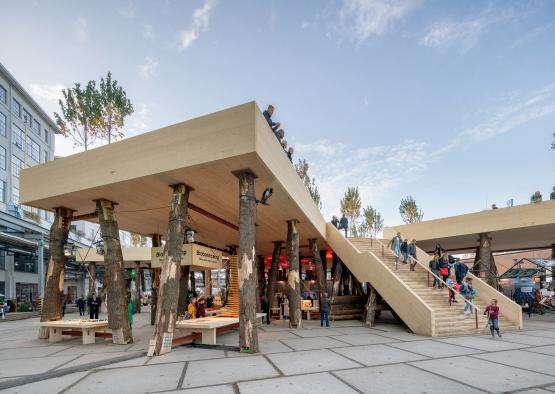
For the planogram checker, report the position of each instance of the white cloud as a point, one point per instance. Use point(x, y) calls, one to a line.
point(148, 32)
point(129, 11)
point(361, 19)
point(45, 92)
point(81, 29)
point(149, 68)
point(200, 23)
point(465, 34)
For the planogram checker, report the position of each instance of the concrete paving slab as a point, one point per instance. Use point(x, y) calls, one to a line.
point(313, 343)
point(399, 335)
point(186, 354)
point(370, 355)
point(434, 349)
point(527, 339)
point(549, 350)
point(535, 391)
point(310, 361)
point(322, 383)
point(316, 332)
point(488, 344)
point(268, 347)
point(231, 339)
point(276, 335)
point(483, 374)
point(522, 359)
point(364, 339)
point(94, 357)
point(227, 370)
point(222, 389)
point(94, 348)
point(353, 330)
point(144, 379)
point(30, 352)
point(31, 366)
point(540, 333)
point(135, 362)
point(49, 386)
point(400, 378)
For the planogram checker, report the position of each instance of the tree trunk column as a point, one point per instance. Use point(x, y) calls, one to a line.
point(92, 278)
point(371, 306)
point(137, 280)
point(247, 267)
point(168, 294)
point(320, 274)
point(272, 273)
point(487, 264)
point(155, 278)
point(114, 276)
point(261, 286)
point(54, 288)
point(208, 283)
point(183, 300)
point(294, 276)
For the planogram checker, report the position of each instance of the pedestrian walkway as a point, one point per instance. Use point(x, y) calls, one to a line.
point(346, 358)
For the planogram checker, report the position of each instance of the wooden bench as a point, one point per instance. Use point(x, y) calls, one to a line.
point(87, 329)
point(207, 326)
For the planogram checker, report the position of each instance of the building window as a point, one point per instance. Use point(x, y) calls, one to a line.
point(26, 117)
point(16, 108)
point(2, 263)
point(45, 156)
point(3, 94)
point(17, 166)
point(3, 191)
point(2, 158)
point(33, 150)
point(15, 195)
point(2, 124)
point(18, 136)
point(35, 126)
point(25, 263)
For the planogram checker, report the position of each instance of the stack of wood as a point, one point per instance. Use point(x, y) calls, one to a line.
point(348, 307)
point(232, 304)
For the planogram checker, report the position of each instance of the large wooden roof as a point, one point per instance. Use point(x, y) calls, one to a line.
point(137, 172)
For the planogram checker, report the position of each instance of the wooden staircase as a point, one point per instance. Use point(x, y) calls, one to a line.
point(448, 319)
point(347, 307)
point(232, 304)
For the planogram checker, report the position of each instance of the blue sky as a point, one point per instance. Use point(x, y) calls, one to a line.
point(451, 102)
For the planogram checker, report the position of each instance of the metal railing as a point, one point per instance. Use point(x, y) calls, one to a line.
point(441, 281)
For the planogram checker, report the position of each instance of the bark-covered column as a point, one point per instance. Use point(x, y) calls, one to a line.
point(371, 306)
point(155, 278)
point(137, 281)
point(337, 278)
point(193, 281)
point(272, 273)
point(208, 283)
point(183, 299)
point(487, 264)
point(320, 274)
point(168, 292)
point(294, 275)
point(114, 275)
point(247, 267)
point(54, 287)
point(261, 286)
point(92, 278)
point(552, 267)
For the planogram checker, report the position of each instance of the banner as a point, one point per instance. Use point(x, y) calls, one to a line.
point(198, 256)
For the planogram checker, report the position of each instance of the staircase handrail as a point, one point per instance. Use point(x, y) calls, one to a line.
point(476, 309)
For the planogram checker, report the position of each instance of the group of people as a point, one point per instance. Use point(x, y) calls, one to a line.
point(93, 303)
point(341, 224)
point(278, 132)
point(537, 196)
point(196, 308)
point(405, 249)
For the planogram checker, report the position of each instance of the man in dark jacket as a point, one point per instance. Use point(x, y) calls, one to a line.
point(94, 306)
point(325, 311)
point(412, 254)
point(434, 267)
point(81, 305)
point(268, 115)
point(460, 271)
point(344, 224)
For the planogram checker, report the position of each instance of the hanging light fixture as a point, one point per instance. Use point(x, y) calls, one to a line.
point(99, 247)
point(190, 236)
point(68, 249)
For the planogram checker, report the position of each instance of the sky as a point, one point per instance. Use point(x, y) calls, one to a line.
point(450, 102)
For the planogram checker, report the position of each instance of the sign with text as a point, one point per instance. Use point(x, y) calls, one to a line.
point(193, 255)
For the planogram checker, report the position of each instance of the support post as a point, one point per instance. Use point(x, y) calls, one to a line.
point(272, 274)
point(183, 300)
point(487, 264)
point(92, 278)
point(337, 277)
point(247, 270)
point(114, 276)
point(553, 268)
point(138, 302)
point(294, 276)
point(40, 264)
point(54, 289)
point(371, 306)
point(155, 278)
point(261, 286)
point(320, 275)
point(193, 282)
point(168, 294)
point(208, 283)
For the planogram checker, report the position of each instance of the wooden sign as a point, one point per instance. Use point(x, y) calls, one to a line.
point(193, 255)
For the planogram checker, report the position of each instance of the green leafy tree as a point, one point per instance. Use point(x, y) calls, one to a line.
point(80, 113)
point(372, 222)
point(410, 213)
point(114, 108)
point(138, 240)
point(350, 206)
point(302, 169)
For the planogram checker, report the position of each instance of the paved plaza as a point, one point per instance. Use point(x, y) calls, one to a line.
point(346, 358)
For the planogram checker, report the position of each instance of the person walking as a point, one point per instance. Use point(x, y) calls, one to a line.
point(94, 306)
point(81, 305)
point(395, 245)
point(405, 250)
point(468, 292)
point(344, 224)
point(492, 312)
point(434, 267)
point(444, 268)
point(460, 271)
point(412, 255)
point(265, 305)
point(325, 311)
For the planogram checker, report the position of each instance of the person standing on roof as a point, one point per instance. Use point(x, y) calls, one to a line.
point(335, 221)
point(552, 195)
point(344, 224)
point(268, 115)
